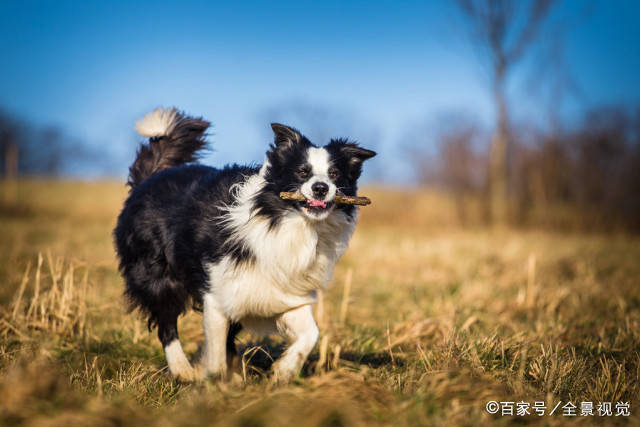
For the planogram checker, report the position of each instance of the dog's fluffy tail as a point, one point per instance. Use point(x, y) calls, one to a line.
point(174, 139)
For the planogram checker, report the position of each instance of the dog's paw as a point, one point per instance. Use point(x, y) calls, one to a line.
point(236, 379)
point(207, 374)
point(282, 376)
point(186, 375)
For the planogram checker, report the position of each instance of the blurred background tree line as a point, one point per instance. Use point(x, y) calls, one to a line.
point(47, 151)
point(586, 177)
point(584, 174)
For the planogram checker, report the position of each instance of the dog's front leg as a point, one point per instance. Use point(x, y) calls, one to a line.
point(300, 328)
point(216, 328)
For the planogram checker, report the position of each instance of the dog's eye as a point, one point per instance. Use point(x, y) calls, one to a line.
point(333, 173)
point(303, 173)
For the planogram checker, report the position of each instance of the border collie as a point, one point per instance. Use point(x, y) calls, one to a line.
point(223, 239)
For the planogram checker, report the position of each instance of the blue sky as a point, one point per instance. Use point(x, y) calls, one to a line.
point(375, 68)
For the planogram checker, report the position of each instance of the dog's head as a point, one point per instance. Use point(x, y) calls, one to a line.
point(319, 173)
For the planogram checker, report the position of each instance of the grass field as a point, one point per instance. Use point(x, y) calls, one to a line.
point(424, 323)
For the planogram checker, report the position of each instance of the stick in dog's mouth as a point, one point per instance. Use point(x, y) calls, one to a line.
point(340, 198)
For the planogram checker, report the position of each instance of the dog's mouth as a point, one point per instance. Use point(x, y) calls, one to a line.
point(316, 206)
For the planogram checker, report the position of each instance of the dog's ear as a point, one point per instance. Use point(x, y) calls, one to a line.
point(355, 156)
point(284, 136)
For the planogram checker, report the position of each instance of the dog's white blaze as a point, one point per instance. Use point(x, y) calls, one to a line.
point(320, 163)
point(318, 158)
point(159, 122)
point(178, 363)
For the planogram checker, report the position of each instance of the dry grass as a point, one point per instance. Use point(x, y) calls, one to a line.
point(59, 307)
point(424, 323)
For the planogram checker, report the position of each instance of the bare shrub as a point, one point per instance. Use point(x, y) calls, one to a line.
point(584, 178)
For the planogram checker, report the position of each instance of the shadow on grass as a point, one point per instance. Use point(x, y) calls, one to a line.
point(260, 356)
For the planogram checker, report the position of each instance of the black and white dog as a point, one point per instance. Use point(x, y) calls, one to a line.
point(225, 240)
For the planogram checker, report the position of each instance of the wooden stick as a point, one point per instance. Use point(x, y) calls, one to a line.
point(345, 200)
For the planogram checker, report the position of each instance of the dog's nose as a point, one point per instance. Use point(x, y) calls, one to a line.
point(320, 189)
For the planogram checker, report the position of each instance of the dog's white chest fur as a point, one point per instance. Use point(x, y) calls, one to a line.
point(292, 260)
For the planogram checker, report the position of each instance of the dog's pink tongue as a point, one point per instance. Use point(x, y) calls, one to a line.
point(317, 203)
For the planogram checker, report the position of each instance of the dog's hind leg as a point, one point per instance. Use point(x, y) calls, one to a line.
point(216, 331)
point(179, 365)
point(299, 326)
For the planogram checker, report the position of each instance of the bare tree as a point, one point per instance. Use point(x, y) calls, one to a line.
point(503, 31)
point(10, 136)
point(448, 153)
